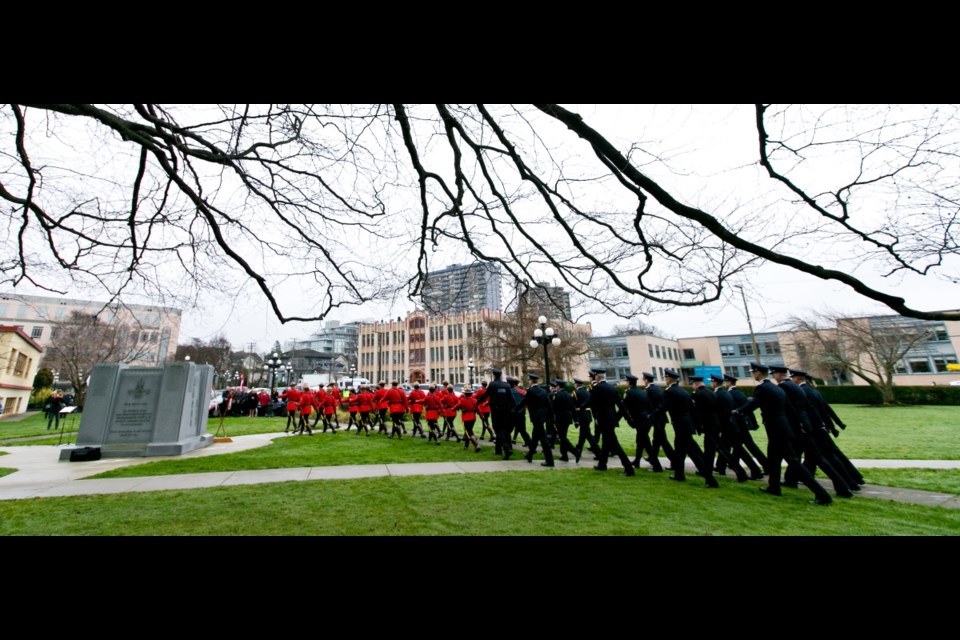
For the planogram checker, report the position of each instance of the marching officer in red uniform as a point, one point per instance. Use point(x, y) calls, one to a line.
point(292, 397)
point(431, 406)
point(396, 401)
point(468, 413)
point(416, 398)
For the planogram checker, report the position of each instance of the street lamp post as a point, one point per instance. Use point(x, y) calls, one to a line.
point(470, 372)
point(272, 365)
point(546, 336)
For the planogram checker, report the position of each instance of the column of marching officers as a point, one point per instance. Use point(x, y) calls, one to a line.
point(797, 420)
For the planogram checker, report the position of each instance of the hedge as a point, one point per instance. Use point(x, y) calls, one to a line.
point(902, 395)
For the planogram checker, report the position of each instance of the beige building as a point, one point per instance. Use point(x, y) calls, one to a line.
point(928, 362)
point(432, 348)
point(19, 362)
point(158, 327)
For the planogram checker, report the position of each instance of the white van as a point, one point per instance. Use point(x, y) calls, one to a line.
point(352, 383)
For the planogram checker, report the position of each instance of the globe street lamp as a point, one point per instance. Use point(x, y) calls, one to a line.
point(287, 373)
point(545, 336)
point(271, 365)
point(470, 372)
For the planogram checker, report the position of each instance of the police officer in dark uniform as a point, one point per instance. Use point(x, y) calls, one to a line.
point(745, 422)
point(519, 417)
point(537, 402)
point(708, 412)
point(730, 428)
point(830, 421)
point(637, 404)
point(678, 402)
point(659, 439)
point(797, 412)
point(501, 412)
point(772, 402)
point(821, 435)
point(607, 408)
point(563, 417)
point(583, 416)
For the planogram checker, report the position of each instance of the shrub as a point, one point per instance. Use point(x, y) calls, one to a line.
point(903, 395)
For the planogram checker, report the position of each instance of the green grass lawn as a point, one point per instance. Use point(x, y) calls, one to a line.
point(579, 502)
point(941, 480)
point(574, 502)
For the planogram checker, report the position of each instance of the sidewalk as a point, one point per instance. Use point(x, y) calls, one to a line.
point(42, 475)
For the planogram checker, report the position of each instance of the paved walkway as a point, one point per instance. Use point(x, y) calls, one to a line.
point(41, 474)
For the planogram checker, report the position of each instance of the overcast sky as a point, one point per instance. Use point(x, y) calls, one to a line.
point(705, 154)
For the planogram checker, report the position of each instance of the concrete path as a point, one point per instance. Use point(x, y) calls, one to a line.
point(42, 475)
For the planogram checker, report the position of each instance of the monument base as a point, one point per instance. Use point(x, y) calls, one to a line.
point(145, 449)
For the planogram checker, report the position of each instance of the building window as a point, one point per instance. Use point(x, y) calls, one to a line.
point(919, 366)
point(661, 373)
point(940, 364)
point(745, 349)
point(728, 350)
point(36, 332)
point(620, 352)
point(650, 347)
point(20, 369)
point(732, 370)
point(688, 354)
point(771, 348)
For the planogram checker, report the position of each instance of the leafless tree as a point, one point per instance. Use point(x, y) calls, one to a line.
point(83, 340)
point(506, 341)
point(215, 352)
point(869, 347)
point(639, 327)
point(335, 205)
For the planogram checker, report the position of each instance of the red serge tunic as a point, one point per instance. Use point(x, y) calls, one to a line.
point(416, 400)
point(292, 396)
point(396, 400)
point(380, 399)
point(432, 404)
point(468, 408)
point(307, 402)
point(449, 402)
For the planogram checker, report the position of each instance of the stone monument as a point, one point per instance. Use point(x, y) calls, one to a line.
point(145, 411)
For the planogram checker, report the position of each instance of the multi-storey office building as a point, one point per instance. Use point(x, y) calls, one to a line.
point(456, 348)
point(157, 327)
point(463, 289)
point(926, 362)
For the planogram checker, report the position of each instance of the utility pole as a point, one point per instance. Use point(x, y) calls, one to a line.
point(753, 338)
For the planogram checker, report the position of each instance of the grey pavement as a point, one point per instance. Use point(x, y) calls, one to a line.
point(41, 474)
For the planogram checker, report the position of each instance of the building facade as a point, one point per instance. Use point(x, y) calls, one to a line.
point(927, 362)
point(158, 328)
point(19, 362)
point(456, 348)
point(550, 301)
point(463, 289)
